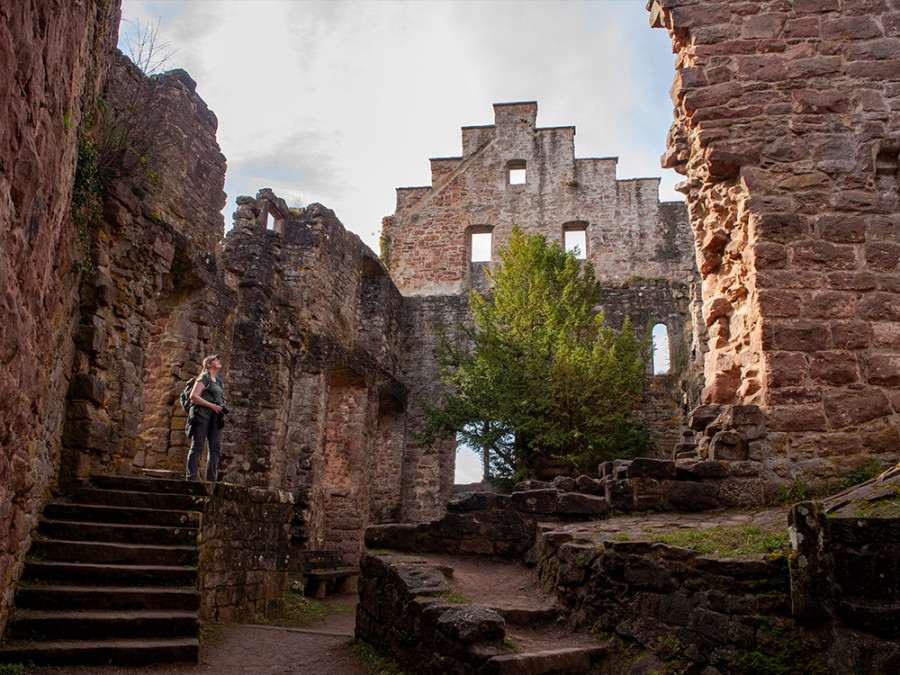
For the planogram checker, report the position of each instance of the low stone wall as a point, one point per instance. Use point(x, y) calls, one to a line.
point(244, 542)
point(830, 606)
point(402, 612)
point(476, 523)
point(673, 601)
point(645, 484)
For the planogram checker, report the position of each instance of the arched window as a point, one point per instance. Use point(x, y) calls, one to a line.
point(660, 349)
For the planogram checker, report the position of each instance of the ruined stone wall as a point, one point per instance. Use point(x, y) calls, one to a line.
point(628, 231)
point(640, 248)
point(314, 381)
point(52, 58)
point(152, 305)
point(787, 133)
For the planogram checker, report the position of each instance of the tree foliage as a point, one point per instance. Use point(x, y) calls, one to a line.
point(537, 372)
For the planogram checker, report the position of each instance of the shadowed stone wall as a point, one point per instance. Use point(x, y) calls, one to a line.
point(53, 58)
point(786, 131)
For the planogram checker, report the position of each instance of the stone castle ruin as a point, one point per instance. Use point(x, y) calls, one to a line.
point(778, 281)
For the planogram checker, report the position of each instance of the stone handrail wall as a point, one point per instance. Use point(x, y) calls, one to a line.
point(402, 612)
point(244, 545)
point(846, 569)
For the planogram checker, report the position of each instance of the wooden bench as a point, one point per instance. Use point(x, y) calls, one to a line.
point(321, 567)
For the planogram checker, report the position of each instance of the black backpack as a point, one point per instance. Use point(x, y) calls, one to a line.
point(186, 395)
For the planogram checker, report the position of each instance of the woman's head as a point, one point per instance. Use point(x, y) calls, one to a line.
point(211, 360)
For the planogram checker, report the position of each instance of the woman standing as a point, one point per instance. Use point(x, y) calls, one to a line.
point(205, 423)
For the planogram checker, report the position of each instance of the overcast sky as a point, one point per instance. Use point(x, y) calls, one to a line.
point(342, 102)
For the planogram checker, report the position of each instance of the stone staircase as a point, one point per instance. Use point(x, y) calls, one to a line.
point(111, 577)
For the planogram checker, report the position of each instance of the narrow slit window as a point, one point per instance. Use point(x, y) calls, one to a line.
point(515, 170)
point(270, 221)
point(660, 349)
point(481, 247)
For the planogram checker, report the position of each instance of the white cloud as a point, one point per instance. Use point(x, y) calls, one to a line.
point(343, 101)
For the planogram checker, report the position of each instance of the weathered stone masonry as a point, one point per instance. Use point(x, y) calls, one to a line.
point(786, 131)
point(640, 248)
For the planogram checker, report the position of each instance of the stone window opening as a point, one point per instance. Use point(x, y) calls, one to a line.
point(515, 172)
point(480, 242)
point(575, 238)
point(661, 361)
point(273, 221)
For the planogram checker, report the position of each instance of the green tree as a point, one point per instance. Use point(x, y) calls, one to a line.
point(537, 372)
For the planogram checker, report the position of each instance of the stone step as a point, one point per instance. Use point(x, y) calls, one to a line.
point(138, 652)
point(45, 597)
point(118, 575)
point(112, 553)
point(135, 499)
point(97, 625)
point(91, 513)
point(118, 533)
point(565, 661)
point(528, 617)
point(156, 485)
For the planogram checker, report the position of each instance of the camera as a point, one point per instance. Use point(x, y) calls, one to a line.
point(225, 410)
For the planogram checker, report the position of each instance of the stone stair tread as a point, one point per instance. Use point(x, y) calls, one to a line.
point(119, 544)
point(115, 651)
point(79, 588)
point(101, 567)
point(126, 516)
point(140, 527)
point(103, 614)
point(547, 661)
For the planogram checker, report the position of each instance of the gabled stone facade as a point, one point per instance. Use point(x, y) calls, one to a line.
point(629, 233)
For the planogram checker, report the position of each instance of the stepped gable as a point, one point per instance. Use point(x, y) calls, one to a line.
point(515, 173)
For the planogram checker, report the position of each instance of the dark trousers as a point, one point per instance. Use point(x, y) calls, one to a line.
point(204, 431)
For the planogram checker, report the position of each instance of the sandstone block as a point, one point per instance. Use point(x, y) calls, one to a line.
point(763, 26)
point(743, 415)
point(729, 446)
point(852, 335)
point(848, 407)
point(833, 368)
point(800, 335)
point(535, 501)
point(797, 418)
point(880, 307)
point(589, 486)
point(690, 495)
point(619, 494)
point(702, 416)
point(469, 624)
point(693, 470)
point(572, 503)
point(477, 501)
point(883, 256)
point(564, 483)
point(647, 467)
point(884, 369)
